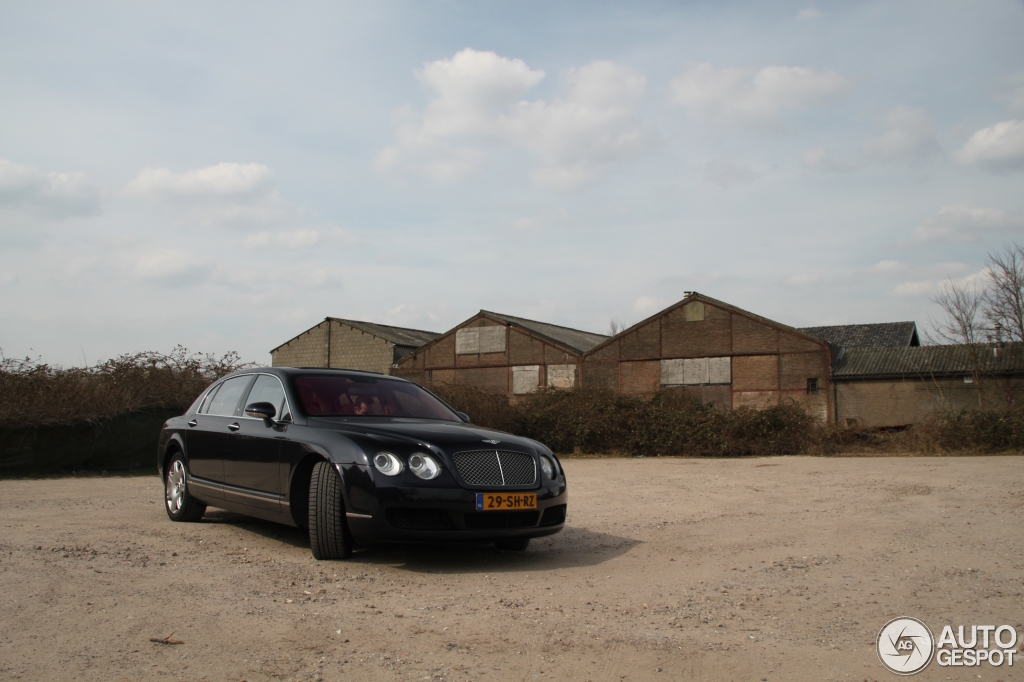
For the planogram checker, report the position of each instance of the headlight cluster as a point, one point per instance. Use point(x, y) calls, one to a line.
point(549, 467)
point(423, 465)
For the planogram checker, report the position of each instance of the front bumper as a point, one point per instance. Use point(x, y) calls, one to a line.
point(418, 514)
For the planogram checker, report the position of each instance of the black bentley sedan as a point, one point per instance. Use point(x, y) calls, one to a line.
point(356, 457)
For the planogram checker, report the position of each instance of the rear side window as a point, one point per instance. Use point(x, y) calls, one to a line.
point(268, 389)
point(226, 399)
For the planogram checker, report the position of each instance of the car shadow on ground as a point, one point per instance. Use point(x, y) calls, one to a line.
point(574, 547)
point(296, 537)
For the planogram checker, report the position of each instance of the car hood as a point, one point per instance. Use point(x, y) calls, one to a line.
point(448, 436)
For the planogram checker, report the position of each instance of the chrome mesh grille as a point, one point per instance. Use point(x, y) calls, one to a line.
point(496, 467)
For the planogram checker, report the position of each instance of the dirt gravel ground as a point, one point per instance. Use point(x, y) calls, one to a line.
point(668, 569)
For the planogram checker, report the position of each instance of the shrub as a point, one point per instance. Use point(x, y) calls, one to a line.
point(603, 422)
point(33, 393)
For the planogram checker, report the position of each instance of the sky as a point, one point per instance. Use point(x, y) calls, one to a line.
point(225, 175)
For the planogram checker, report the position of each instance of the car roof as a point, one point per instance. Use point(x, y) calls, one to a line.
point(310, 371)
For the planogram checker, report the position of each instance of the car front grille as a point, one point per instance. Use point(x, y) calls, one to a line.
point(496, 467)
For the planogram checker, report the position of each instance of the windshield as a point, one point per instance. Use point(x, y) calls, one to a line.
point(336, 395)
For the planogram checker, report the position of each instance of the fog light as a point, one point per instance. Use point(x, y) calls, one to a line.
point(424, 466)
point(387, 464)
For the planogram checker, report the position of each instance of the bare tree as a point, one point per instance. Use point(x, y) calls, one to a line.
point(615, 326)
point(964, 307)
point(1004, 299)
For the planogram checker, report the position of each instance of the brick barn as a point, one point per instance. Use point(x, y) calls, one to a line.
point(350, 344)
point(889, 387)
point(716, 353)
point(502, 354)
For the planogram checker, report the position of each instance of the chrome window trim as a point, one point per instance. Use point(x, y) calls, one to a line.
point(280, 383)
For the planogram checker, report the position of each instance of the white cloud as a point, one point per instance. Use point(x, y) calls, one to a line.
point(48, 195)
point(888, 266)
point(726, 173)
point(296, 239)
point(221, 182)
point(821, 160)
point(172, 267)
point(964, 221)
point(754, 97)
point(998, 148)
point(647, 304)
point(907, 136)
point(802, 279)
point(941, 274)
point(477, 105)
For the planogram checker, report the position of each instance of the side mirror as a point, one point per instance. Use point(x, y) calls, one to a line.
point(261, 411)
point(463, 416)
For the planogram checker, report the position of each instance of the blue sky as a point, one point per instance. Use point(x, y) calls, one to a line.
point(224, 176)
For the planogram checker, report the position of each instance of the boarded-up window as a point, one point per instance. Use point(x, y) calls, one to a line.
point(561, 376)
point(480, 340)
point(693, 311)
point(696, 371)
point(525, 379)
point(719, 370)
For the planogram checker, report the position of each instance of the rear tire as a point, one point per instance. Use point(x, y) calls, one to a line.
point(519, 545)
point(328, 533)
point(180, 506)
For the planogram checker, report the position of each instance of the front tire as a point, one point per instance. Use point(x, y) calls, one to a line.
point(519, 545)
point(328, 533)
point(179, 504)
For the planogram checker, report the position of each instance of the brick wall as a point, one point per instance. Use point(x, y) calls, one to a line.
point(769, 363)
point(898, 402)
point(355, 349)
point(349, 349)
point(490, 371)
point(309, 349)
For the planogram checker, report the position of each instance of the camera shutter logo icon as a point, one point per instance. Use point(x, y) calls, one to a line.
point(905, 646)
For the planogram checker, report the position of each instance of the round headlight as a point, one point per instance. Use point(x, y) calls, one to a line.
point(424, 466)
point(387, 464)
point(547, 467)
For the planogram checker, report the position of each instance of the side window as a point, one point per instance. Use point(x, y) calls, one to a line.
point(228, 395)
point(268, 389)
point(209, 399)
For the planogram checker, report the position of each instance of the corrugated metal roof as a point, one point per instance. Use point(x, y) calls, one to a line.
point(576, 339)
point(879, 335)
point(917, 361)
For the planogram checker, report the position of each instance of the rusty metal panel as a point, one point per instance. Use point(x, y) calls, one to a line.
point(561, 376)
point(719, 370)
point(525, 379)
point(480, 340)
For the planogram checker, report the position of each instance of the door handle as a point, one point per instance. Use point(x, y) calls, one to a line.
point(234, 427)
point(192, 422)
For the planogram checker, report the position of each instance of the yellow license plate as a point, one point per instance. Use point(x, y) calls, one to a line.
point(505, 501)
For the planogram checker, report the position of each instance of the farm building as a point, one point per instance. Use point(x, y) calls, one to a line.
point(502, 354)
point(350, 344)
point(717, 354)
point(884, 387)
